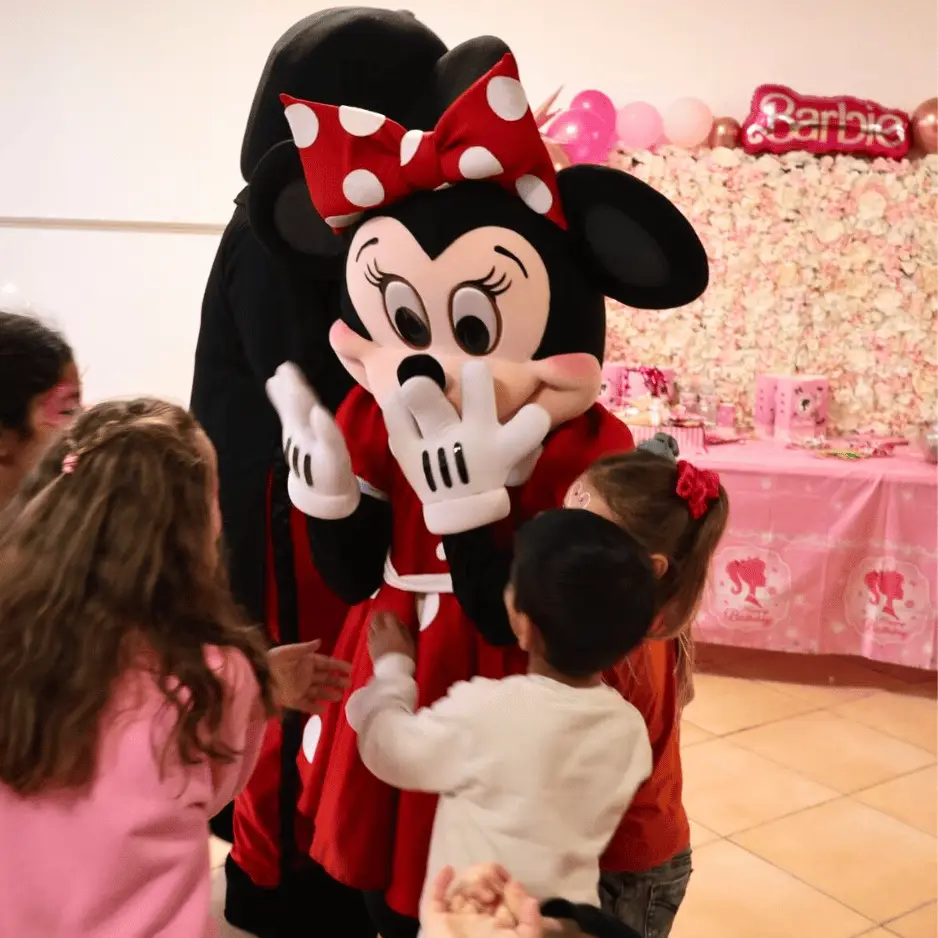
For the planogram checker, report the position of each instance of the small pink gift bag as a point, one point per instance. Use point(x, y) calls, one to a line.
point(610, 392)
point(801, 404)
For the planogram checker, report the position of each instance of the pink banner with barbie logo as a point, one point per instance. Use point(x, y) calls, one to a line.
point(826, 556)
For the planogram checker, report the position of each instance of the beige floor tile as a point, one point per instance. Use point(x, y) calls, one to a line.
point(700, 836)
point(730, 789)
point(911, 798)
point(734, 894)
point(906, 716)
point(691, 734)
point(922, 923)
point(218, 851)
point(861, 857)
point(727, 704)
point(834, 751)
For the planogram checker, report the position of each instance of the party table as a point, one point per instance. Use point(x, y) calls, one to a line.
point(825, 555)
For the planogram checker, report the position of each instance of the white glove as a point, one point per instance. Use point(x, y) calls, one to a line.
point(459, 466)
point(321, 484)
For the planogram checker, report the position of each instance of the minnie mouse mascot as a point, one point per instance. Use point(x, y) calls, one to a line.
point(472, 319)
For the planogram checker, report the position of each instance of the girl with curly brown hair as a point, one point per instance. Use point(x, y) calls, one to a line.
point(134, 691)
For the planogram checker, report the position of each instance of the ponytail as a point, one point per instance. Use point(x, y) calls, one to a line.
point(641, 489)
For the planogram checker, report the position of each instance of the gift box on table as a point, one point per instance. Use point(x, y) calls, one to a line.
point(791, 407)
point(801, 404)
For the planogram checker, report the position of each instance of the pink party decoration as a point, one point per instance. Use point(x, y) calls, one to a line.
point(597, 103)
point(781, 120)
point(585, 136)
point(639, 126)
point(687, 122)
point(801, 405)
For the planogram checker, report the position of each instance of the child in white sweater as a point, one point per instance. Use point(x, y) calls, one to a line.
point(534, 771)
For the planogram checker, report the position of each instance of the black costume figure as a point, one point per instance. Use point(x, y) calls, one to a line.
point(259, 310)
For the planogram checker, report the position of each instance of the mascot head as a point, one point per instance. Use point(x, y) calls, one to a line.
point(374, 59)
point(461, 242)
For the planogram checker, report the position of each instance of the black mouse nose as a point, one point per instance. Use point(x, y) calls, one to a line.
point(421, 366)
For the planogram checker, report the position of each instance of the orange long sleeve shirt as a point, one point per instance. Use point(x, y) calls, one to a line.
point(655, 828)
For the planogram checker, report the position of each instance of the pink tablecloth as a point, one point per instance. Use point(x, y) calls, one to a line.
point(825, 556)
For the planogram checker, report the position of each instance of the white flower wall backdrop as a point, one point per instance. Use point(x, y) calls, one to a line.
point(825, 265)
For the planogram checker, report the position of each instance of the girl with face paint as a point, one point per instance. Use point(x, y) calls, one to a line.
point(40, 393)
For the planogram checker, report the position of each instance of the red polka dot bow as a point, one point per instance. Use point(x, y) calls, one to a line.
point(698, 487)
point(355, 160)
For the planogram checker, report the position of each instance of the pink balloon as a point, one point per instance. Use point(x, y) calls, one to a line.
point(639, 126)
point(687, 122)
point(584, 136)
point(597, 103)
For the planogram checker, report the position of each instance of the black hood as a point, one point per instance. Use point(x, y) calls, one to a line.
point(378, 60)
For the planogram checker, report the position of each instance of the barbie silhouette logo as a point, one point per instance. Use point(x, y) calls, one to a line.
point(750, 588)
point(888, 600)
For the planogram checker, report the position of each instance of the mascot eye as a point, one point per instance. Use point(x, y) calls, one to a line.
point(477, 323)
point(405, 311)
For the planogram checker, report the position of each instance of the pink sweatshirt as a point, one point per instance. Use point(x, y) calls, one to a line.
point(128, 857)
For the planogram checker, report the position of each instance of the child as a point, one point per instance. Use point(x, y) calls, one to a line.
point(677, 513)
point(535, 771)
point(134, 691)
point(40, 391)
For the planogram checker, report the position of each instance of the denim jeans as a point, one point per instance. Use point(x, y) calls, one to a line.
point(647, 901)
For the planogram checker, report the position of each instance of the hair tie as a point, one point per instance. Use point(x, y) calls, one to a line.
point(698, 487)
point(69, 463)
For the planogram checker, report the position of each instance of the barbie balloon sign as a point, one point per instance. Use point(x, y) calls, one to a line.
point(781, 120)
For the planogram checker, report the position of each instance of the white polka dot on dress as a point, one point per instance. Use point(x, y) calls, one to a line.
point(506, 98)
point(479, 163)
point(311, 733)
point(304, 124)
point(535, 194)
point(410, 144)
point(427, 608)
point(359, 122)
point(363, 188)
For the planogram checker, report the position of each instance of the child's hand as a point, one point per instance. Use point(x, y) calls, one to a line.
point(446, 913)
point(387, 635)
point(304, 680)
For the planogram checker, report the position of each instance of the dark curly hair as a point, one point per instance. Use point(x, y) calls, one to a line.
point(32, 359)
point(103, 566)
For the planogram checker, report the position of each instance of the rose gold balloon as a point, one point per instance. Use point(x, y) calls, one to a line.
point(558, 155)
point(925, 126)
point(724, 133)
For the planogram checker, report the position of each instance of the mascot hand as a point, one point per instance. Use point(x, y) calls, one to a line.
point(459, 465)
point(322, 484)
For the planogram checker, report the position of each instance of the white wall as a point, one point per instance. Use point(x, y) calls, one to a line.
point(134, 111)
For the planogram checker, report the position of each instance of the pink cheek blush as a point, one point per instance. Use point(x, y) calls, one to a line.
point(575, 367)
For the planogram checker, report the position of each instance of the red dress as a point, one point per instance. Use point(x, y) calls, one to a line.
point(320, 614)
point(367, 834)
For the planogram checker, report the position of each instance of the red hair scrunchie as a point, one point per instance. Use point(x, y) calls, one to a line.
point(698, 487)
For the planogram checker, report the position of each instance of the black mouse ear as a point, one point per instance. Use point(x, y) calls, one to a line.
point(641, 250)
point(282, 214)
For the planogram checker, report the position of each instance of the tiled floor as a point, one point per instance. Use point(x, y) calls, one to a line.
point(812, 784)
